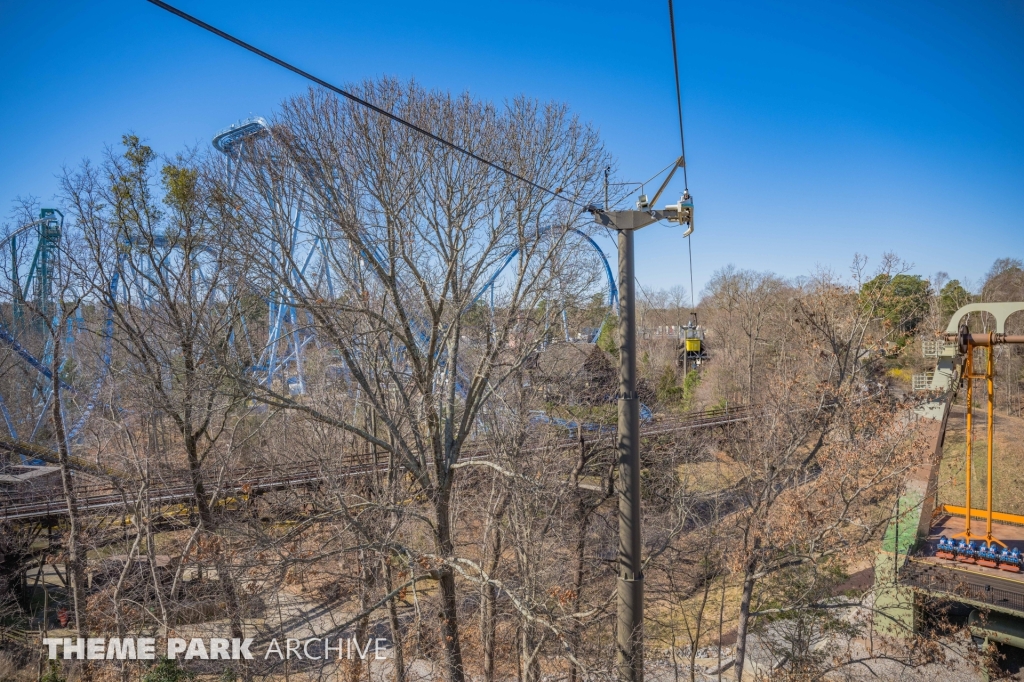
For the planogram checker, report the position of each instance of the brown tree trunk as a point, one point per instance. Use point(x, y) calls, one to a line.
point(363, 626)
point(488, 630)
point(529, 654)
point(393, 478)
point(225, 580)
point(76, 551)
point(698, 630)
point(450, 625)
point(396, 635)
point(744, 620)
point(488, 612)
point(446, 586)
point(581, 548)
point(224, 577)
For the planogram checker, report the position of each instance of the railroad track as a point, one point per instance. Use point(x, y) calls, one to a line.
point(259, 480)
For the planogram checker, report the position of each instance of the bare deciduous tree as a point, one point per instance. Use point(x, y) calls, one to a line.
point(400, 237)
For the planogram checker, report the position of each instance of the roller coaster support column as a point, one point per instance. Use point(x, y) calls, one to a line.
point(630, 626)
point(969, 435)
point(968, 342)
point(989, 379)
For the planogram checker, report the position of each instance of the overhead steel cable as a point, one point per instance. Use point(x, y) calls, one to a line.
point(682, 140)
point(679, 96)
point(689, 248)
point(358, 100)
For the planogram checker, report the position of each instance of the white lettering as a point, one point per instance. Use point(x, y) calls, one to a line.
point(175, 645)
point(78, 648)
point(146, 648)
point(196, 649)
point(274, 648)
point(219, 648)
point(95, 649)
point(289, 648)
point(121, 649)
point(328, 647)
point(52, 643)
point(376, 648)
point(362, 653)
point(305, 649)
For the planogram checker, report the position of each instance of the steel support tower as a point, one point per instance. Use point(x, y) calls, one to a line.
point(630, 623)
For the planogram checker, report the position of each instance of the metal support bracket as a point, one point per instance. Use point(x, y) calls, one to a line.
point(632, 220)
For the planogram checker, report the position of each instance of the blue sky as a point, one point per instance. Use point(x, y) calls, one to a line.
point(815, 130)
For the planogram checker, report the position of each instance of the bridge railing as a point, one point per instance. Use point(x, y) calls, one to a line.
point(171, 486)
point(938, 580)
point(922, 382)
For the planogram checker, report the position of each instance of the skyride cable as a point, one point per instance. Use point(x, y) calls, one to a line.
point(358, 100)
point(679, 95)
point(682, 141)
point(440, 140)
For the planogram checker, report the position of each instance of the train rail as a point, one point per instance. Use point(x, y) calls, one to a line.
point(263, 479)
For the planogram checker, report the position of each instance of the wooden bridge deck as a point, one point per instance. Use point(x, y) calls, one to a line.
point(258, 480)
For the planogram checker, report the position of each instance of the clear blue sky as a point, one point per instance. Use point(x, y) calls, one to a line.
point(815, 130)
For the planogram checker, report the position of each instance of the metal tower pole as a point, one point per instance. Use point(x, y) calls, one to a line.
point(629, 633)
point(630, 624)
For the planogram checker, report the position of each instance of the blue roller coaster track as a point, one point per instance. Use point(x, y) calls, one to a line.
point(39, 282)
point(288, 335)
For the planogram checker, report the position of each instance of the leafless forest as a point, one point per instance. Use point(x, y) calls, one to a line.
point(440, 471)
